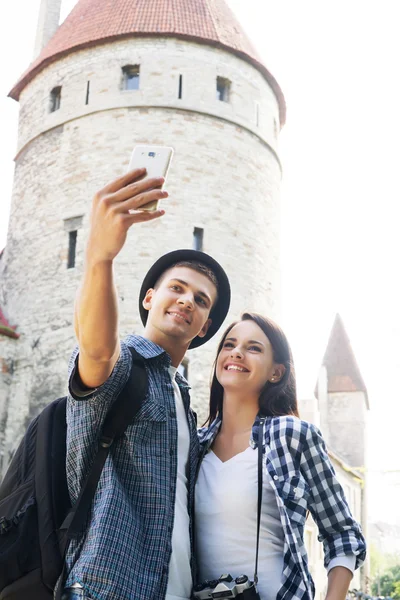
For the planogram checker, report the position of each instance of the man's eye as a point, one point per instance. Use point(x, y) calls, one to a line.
point(201, 300)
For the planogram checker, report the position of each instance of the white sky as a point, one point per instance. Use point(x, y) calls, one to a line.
point(337, 63)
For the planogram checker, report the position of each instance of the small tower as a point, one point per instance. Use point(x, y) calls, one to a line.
point(49, 19)
point(343, 399)
point(343, 410)
point(116, 74)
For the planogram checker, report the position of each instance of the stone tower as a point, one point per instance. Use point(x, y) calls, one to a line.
point(115, 74)
point(343, 399)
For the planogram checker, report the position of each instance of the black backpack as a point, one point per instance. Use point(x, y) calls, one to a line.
point(37, 521)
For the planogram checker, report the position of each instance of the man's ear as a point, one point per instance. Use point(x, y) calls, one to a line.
point(148, 299)
point(205, 328)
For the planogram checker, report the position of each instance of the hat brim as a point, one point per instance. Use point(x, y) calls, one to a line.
point(218, 312)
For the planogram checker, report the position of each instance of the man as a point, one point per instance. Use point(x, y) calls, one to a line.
point(137, 545)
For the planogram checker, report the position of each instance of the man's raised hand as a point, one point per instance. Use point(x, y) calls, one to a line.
point(112, 215)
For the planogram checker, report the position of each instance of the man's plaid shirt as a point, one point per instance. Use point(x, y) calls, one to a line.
point(126, 550)
point(303, 479)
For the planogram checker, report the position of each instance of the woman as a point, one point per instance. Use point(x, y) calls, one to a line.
point(254, 379)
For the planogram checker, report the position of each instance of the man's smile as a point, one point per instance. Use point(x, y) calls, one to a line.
point(178, 316)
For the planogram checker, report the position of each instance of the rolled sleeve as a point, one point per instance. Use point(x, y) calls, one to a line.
point(338, 531)
point(110, 389)
point(349, 562)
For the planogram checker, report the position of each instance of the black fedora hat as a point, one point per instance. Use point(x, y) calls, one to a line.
point(218, 312)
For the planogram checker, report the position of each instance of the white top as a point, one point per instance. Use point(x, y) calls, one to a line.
point(180, 576)
point(226, 522)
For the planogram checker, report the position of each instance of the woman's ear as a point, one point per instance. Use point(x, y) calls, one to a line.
point(278, 373)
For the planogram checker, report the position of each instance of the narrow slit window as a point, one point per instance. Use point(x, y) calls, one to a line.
point(276, 129)
point(87, 92)
point(131, 77)
point(223, 89)
point(180, 87)
point(72, 237)
point(198, 234)
point(55, 98)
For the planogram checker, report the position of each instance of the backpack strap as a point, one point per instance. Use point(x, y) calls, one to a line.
point(118, 419)
point(51, 488)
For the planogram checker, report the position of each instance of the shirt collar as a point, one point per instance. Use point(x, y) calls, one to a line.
point(209, 434)
point(149, 349)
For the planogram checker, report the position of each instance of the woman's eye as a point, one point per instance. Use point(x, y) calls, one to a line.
point(255, 348)
point(228, 345)
point(176, 288)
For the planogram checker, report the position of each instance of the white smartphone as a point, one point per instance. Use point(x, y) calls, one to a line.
point(156, 160)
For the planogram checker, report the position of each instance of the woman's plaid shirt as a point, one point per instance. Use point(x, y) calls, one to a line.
point(303, 479)
point(126, 549)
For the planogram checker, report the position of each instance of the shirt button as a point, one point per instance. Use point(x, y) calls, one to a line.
point(295, 490)
point(172, 414)
point(165, 570)
point(276, 477)
point(171, 450)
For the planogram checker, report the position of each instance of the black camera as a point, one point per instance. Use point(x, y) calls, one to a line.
point(227, 587)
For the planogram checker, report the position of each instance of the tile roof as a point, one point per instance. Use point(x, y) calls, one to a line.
point(93, 22)
point(341, 366)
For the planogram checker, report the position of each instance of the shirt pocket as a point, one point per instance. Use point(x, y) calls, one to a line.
point(147, 434)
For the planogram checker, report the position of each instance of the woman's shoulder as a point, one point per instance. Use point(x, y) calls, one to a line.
point(293, 427)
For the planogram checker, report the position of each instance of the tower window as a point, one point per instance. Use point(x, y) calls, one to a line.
point(72, 237)
point(276, 129)
point(180, 87)
point(71, 226)
point(55, 98)
point(198, 233)
point(87, 92)
point(223, 89)
point(131, 77)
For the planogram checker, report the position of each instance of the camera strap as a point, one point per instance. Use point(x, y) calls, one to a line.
point(260, 487)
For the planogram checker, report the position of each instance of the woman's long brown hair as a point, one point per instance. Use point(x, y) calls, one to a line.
point(276, 399)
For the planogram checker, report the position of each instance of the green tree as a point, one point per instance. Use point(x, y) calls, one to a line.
point(389, 583)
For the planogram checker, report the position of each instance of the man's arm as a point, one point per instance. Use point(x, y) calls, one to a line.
point(96, 308)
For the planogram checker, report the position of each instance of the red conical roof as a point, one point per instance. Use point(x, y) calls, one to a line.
point(94, 22)
point(341, 366)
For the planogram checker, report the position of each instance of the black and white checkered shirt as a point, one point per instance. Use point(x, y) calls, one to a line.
point(303, 479)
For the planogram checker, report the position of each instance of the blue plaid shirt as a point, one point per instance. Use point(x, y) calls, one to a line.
point(303, 480)
point(126, 550)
